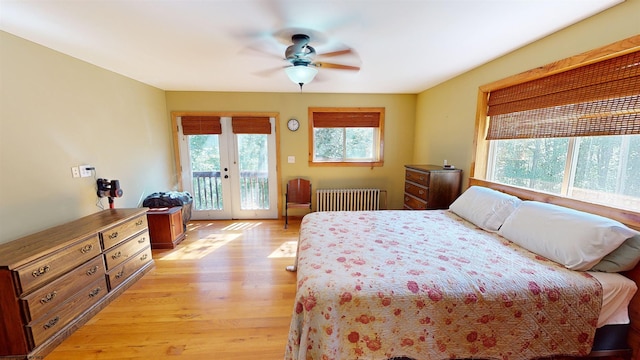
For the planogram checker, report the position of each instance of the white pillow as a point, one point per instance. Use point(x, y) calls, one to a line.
point(576, 239)
point(484, 207)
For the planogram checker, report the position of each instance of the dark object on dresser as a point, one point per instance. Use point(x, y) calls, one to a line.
point(170, 199)
point(429, 187)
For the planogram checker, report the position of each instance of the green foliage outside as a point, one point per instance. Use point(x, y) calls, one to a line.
point(205, 167)
point(604, 163)
point(343, 144)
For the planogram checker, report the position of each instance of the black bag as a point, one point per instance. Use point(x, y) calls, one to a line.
point(171, 199)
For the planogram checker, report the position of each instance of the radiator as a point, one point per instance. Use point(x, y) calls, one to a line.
point(347, 199)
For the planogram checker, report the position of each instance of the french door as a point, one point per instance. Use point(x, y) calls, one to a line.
point(229, 166)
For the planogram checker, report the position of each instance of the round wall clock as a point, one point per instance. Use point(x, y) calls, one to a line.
point(293, 124)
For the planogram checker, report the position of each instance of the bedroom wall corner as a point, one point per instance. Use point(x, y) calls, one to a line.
point(57, 112)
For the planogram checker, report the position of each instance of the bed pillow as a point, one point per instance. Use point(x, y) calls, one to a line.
point(484, 207)
point(624, 258)
point(576, 239)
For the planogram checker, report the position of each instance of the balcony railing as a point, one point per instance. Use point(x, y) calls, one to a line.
point(207, 190)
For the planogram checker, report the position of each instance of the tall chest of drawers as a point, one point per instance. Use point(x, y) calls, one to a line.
point(429, 187)
point(54, 281)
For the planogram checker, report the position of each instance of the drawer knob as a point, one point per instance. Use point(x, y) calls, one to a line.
point(143, 257)
point(116, 255)
point(139, 222)
point(119, 275)
point(421, 177)
point(142, 240)
point(41, 271)
point(406, 198)
point(95, 292)
point(92, 271)
point(113, 235)
point(85, 249)
point(51, 323)
point(48, 297)
point(421, 192)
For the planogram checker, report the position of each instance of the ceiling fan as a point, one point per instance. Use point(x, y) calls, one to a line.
point(301, 55)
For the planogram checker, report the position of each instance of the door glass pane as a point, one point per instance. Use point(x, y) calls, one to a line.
point(253, 162)
point(205, 171)
point(537, 164)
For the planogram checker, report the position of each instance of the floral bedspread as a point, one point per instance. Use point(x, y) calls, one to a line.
point(429, 285)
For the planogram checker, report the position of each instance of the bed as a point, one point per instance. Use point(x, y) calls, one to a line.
point(451, 284)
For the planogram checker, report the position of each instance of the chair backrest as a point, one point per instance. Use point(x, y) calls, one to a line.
point(299, 191)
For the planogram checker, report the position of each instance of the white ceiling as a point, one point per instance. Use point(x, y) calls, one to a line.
point(402, 46)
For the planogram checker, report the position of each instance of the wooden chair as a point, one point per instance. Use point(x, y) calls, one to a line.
point(298, 196)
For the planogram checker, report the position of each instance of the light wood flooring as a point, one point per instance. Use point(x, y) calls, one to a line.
point(218, 295)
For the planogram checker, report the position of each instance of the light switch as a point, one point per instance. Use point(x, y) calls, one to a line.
point(291, 159)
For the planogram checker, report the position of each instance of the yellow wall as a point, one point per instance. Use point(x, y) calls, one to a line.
point(57, 112)
point(445, 114)
point(398, 138)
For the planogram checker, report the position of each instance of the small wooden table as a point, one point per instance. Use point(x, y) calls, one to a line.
point(165, 227)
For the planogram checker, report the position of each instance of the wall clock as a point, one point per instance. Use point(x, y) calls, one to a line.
point(293, 124)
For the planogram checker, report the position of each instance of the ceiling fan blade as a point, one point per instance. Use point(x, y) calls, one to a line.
point(269, 72)
point(336, 53)
point(263, 51)
point(336, 66)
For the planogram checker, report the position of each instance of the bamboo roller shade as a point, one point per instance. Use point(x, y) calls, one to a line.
point(210, 125)
point(602, 98)
point(346, 119)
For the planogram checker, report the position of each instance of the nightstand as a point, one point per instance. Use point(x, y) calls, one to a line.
point(165, 227)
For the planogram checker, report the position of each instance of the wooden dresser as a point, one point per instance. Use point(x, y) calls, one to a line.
point(165, 227)
point(429, 187)
point(54, 281)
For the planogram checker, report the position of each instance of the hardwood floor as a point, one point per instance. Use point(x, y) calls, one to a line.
point(218, 295)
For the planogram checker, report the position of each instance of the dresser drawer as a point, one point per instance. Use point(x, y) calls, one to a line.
point(414, 203)
point(119, 274)
point(41, 329)
point(51, 295)
point(417, 191)
point(117, 234)
point(53, 265)
point(417, 177)
point(119, 254)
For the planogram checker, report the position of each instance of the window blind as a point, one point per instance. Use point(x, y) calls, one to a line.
point(346, 119)
point(602, 98)
point(201, 125)
point(251, 125)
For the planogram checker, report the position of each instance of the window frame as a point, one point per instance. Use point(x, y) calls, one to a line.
point(378, 136)
point(481, 149)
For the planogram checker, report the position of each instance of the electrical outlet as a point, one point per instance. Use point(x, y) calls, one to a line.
point(85, 170)
point(75, 172)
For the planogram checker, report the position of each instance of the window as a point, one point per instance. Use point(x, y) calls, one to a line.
point(597, 169)
point(573, 132)
point(347, 136)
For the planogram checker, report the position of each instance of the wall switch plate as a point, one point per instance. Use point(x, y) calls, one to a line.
point(291, 159)
point(85, 170)
point(75, 172)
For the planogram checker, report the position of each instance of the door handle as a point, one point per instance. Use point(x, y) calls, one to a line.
point(226, 176)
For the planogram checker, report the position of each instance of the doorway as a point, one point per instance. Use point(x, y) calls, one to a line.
point(229, 165)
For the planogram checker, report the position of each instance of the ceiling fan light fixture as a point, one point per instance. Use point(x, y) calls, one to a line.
point(301, 74)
